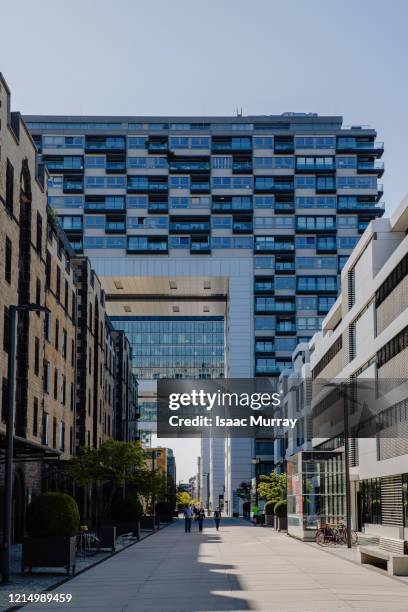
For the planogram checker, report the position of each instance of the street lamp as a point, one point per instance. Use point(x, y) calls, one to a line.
point(8, 465)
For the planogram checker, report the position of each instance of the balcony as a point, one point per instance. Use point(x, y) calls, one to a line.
point(284, 207)
point(273, 305)
point(353, 145)
point(61, 164)
point(147, 245)
point(200, 246)
point(242, 227)
point(115, 166)
point(286, 328)
point(100, 204)
point(143, 184)
point(352, 204)
point(371, 167)
point(266, 369)
point(104, 144)
point(264, 347)
point(284, 145)
point(263, 284)
point(284, 267)
point(315, 167)
point(233, 205)
point(325, 185)
point(230, 145)
point(115, 227)
point(159, 145)
point(183, 225)
point(242, 167)
point(272, 185)
point(73, 185)
point(158, 206)
point(272, 246)
point(326, 246)
point(200, 187)
point(189, 165)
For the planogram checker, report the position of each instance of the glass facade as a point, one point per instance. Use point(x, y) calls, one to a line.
point(175, 347)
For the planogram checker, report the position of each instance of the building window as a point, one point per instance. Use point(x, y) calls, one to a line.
point(393, 347)
point(73, 307)
point(35, 417)
point(55, 383)
point(371, 501)
point(392, 281)
point(62, 436)
point(63, 390)
point(37, 356)
point(72, 352)
point(44, 432)
point(64, 343)
point(66, 296)
point(330, 354)
point(39, 234)
point(71, 440)
point(9, 187)
point(48, 270)
point(47, 376)
point(57, 334)
point(58, 290)
point(47, 325)
point(38, 293)
point(6, 329)
point(54, 432)
point(8, 260)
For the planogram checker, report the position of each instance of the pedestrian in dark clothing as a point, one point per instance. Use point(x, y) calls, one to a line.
point(188, 513)
point(217, 518)
point(200, 518)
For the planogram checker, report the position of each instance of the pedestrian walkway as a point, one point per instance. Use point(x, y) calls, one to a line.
point(241, 567)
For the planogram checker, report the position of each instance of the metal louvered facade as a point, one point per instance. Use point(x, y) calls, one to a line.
point(391, 501)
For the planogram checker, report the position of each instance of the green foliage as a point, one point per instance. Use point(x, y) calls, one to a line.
point(126, 510)
point(53, 515)
point(280, 508)
point(113, 462)
point(269, 508)
point(272, 487)
point(244, 491)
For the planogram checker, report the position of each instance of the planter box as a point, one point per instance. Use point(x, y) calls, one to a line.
point(49, 552)
point(270, 519)
point(107, 537)
point(147, 522)
point(281, 523)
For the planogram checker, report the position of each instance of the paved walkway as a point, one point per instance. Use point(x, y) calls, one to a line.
point(239, 568)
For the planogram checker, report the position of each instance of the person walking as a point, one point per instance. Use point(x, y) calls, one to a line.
point(217, 518)
point(188, 513)
point(200, 518)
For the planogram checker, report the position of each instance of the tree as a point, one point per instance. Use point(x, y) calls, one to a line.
point(184, 499)
point(244, 491)
point(273, 487)
point(113, 465)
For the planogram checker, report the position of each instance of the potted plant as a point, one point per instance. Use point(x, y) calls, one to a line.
point(52, 527)
point(269, 513)
point(280, 511)
point(164, 512)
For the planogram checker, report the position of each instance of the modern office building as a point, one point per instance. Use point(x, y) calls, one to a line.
point(364, 337)
point(218, 240)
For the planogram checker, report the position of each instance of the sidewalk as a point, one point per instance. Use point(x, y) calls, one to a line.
point(240, 567)
point(41, 579)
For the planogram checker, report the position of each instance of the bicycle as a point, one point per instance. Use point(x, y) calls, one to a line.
point(334, 534)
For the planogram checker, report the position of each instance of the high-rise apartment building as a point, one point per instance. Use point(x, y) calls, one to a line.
point(218, 240)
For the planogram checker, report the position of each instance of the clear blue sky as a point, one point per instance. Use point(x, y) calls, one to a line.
point(155, 57)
